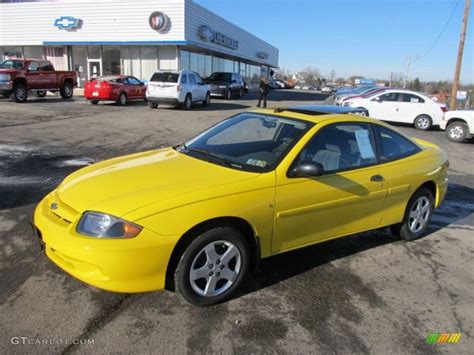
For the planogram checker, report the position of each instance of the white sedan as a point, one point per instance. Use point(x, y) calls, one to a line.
point(403, 106)
point(459, 125)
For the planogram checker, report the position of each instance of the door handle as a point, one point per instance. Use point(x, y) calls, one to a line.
point(377, 178)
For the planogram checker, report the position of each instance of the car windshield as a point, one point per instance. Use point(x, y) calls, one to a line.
point(220, 77)
point(247, 141)
point(110, 79)
point(12, 64)
point(165, 77)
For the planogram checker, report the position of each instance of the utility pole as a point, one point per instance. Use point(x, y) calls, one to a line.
point(407, 70)
point(457, 72)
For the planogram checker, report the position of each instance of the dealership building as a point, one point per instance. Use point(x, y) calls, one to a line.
point(102, 37)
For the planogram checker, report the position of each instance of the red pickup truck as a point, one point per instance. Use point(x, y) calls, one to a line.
point(20, 76)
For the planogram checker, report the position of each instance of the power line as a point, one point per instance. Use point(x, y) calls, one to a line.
point(442, 31)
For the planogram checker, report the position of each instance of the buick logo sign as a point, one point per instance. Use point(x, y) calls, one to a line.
point(159, 22)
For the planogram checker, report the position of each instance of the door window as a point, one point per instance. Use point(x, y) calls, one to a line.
point(412, 99)
point(389, 97)
point(184, 79)
point(192, 79)
point(393, 146)
point(133, 81)
point(34, 66)
point(342, 146)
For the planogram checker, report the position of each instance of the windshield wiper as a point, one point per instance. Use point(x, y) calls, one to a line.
point(220, 158)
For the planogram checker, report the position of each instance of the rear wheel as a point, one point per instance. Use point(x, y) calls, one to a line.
point(212, 266)
point(423, 122)
point(207, 100)
point(67, 90)
point(122, 100)
point(41, 93)
point(93, 102)
point(417, 216)
point(188, 102)
point(20, 93)
point(457, 131)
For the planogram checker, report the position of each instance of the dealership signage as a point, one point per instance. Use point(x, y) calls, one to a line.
point(461, 95)
point(208, 34)
point(159, 22)
point(68, 23)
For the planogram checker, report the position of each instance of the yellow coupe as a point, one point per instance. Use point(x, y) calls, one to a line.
point(196, 217)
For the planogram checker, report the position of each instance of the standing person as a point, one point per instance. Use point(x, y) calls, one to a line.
point(263, 87)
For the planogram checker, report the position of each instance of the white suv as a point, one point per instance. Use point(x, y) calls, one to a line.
point(177, 88)
point(402, 106)
point(459, 125)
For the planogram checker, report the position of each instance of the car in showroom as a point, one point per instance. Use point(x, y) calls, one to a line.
point(177, 88)
point(19, 77)
point(458, 124)
point(226, 85)
point(196, 217)
point(403, 106)
point(118, 88)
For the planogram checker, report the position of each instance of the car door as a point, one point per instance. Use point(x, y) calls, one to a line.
point(132, 87)
point(409, 107)
point(346, 199)
point(385, 106)
point(47, 76)
point(193, 87)
point(33, 76)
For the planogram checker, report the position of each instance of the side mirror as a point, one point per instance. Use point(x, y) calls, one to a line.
point(307, 169)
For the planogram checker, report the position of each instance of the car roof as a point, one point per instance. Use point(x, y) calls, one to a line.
point(318, 113)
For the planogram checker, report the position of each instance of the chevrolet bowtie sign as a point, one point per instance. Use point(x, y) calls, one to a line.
point(68, 23)
point(208, 34)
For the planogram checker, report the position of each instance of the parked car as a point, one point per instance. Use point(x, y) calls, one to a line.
point(403, 106)
point(356, 92)
point(459, 125)
point(198, 216)
point(226, 85)
point(281, 84)
point(345, 100)
point(327, 89)
point(20, 76)
point(177, 88)
point(118, 88)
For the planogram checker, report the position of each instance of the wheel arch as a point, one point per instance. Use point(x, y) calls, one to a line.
point(242, 225)
point(17, 81)
point(433, 187)
point(456, 119)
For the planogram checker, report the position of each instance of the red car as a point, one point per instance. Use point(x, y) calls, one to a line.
point(118, 88)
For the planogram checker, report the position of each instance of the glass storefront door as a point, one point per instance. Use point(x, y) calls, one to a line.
point(94, 69)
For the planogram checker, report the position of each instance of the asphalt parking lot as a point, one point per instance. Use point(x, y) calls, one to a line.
point(367, 293)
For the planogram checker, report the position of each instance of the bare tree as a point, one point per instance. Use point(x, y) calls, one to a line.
point(332, 75)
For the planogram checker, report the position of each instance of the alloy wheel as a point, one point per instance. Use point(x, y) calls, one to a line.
point(419, 215)
point(215, 268)
point(456, 132)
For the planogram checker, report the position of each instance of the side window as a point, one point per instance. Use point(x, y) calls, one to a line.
point(133, 81)
point(389, 97)
point(197, 78)
point(412, 99)
point(34, 66)
point(192, 80)
point(184, 79)
point(393, 146)
point(341, 146)
point(45, 66)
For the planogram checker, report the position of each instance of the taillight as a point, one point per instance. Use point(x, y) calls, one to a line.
point(444, 108)
point(178, 88)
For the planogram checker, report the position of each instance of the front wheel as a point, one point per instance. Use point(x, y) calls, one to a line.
point(152, 104)
point(457, 131)
point(417, 216)
point(41, 93)
point(20, 93)
point(67, 90)
point(423, 122)
point(241, 93)
point(212, 266)
point(228, 94)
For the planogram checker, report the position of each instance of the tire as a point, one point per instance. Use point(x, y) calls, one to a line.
point(241, 93)
point(41, 93)
point(122, 99)
point(423, 122)
point(228, 94)
point(457, 131)
point(417, 216)
point(188, 102)
point(67, 90)
point(93, 102)
point(20, 93)
point(205, 254)
point(207, 100)
point(365, 113)
point(152, 104)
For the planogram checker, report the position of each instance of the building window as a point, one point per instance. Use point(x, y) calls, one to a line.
point(12, 52)
point(33, 52)
point(149, 58)
point(111, 61)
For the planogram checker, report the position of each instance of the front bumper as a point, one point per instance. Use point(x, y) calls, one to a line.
point(128, 265)
point(218, 91)
point(6, 86)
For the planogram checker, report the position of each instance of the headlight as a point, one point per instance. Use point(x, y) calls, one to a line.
point(5, 77)
point(222, 86)
point(101, 225)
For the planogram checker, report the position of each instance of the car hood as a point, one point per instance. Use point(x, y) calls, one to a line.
point(122, 185)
